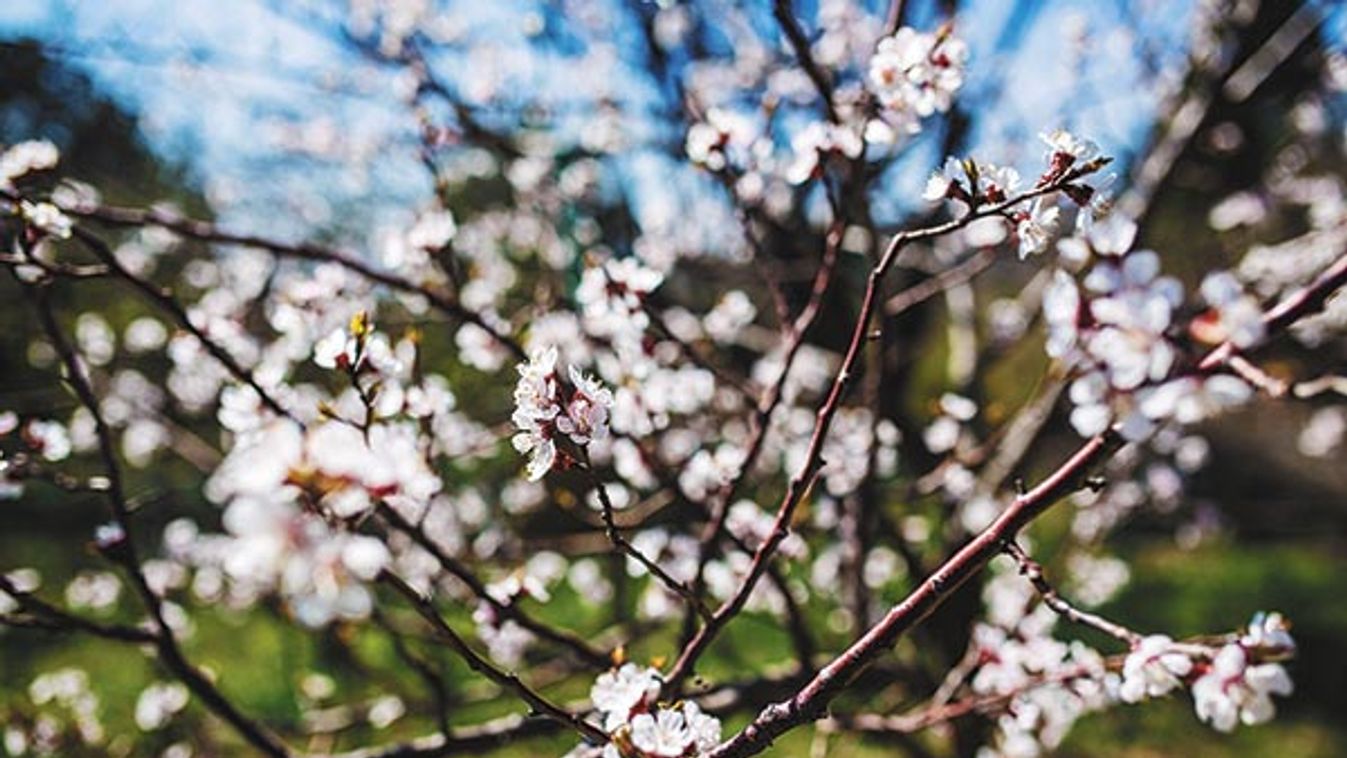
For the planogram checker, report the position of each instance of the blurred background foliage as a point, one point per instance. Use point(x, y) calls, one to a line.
point(1281, 544)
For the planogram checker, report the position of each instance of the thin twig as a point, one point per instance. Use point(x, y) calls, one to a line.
point(208, 232)
point(44, 615)
point(800, 44)
point(506, 679)
point(811, 701)
point(1033, 571)
point(801, 482)
point(511, 611)
point(623, 545)
point(125, 554)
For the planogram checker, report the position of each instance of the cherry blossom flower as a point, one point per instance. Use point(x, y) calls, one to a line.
point(1064, 151)
point(944, 180)
point(1235, 315)
point(1131, 318)
point(611, 297)
point(1036, 228)
point(730, 316)
point(918, 72)
point(1111, 237)
point(1269, 631)
point(320, 572)
point(972, 182)
point(704, 728)
point(433, 230)
point(336, 349)
point(506, 640)
point(663, 734)
point(1153, 668)
point(722, 137)
point(815, 144)
point(46, 218)
point(626, 698)
point(25, 157)
point(158, 703)
point(620, 693)
point(1235, 690)
point(521, 583)
point(586, 416)
point(49, 438)
point(1189, 400)
point(536, 407)
point(534, 441)
point(544, 407)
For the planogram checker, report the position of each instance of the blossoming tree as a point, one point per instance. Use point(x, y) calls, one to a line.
point(707, 517)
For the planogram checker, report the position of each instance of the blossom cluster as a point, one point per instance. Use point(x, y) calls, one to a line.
point(546, 407)
point(1231, 684)
point(915, 74)
point(339, 452)
point(639, 726)
point(1049, 684)
point(1118, 328)
point(975, 184)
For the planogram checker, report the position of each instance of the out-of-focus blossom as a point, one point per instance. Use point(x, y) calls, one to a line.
point(1235, 316)
point(46, 218)
point(918, 72)
point(815, 144)
point(25, 157)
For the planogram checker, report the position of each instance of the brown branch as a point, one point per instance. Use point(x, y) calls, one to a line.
point(1256, 376)
point(800, 44)
point(55, 270)
point(424, 670)
point(941, 712)
point(623, 545)
point(208, 232)
point(800, 483)
point(124, 552)
point(811, 701)
point(1308, 299)
point(926, 289)
point(505, 679)
point(794, 333)
point(44, 615)
point(1033, 571)
point(582, 650)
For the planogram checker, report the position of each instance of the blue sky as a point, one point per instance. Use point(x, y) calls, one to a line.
point(214, 81)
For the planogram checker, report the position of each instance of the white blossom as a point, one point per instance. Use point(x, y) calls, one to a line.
point(1269, 631)
point(1234, 690)
point(1153, 668)
point(1235, 316)
point(918, 72)
point(586, 413)
point(814, 144)
point(619, 693)
point(1037, 228)
point(663, 734)
point(24, 157)
point(47, 218)
point(1060, 142)
point(1132, 313)
point(158, 703)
